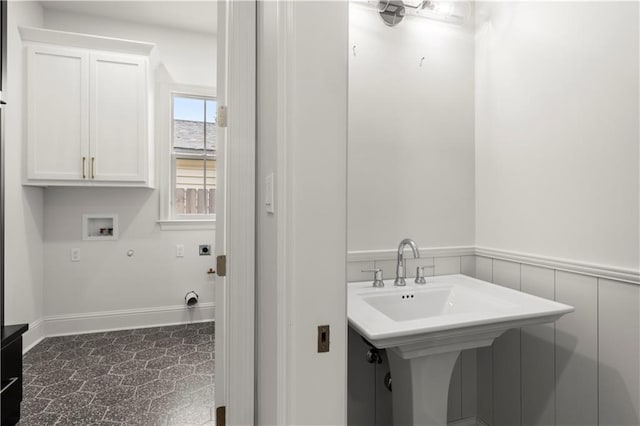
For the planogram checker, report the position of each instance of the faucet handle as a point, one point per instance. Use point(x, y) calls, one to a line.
point(420, 274)
point(377, 277)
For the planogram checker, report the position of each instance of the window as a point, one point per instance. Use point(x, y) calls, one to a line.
point(193, 156)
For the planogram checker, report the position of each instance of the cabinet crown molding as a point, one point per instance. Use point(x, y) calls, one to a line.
point(85, 41)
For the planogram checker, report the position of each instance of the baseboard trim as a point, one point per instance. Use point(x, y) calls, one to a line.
point(92, 322)
point(34, 335)
point(469, 421)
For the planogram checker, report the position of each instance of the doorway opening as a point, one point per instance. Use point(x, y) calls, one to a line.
point(121, 320)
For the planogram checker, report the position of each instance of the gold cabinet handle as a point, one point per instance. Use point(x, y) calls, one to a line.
point(93, 167)
point(84, 173)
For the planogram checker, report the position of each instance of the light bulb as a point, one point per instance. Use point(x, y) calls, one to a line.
point(443, 8)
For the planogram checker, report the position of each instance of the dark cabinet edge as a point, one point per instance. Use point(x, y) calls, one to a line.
point(12, 332)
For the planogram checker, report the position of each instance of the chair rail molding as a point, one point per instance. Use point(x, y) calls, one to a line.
point(568, 265)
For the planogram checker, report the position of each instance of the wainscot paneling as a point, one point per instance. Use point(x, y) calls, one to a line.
point(355, 271)
point(583, 370)
point(577, 351)
point(619, 353)
point(468, 265)
point(454, 402)
point(484, 359)
point(506, 356)
point(469, 383)
point(538, 354)
point(361, 383)
point(447, 265)
point(383, 411)
point(484, 271)
point(468, 359)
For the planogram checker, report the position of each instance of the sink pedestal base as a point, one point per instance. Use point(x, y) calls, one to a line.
point(424, 328)
point(421, 388)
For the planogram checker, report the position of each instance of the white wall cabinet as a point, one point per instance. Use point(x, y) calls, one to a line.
point(118, 140)
point(88, 121)
point(57, 126)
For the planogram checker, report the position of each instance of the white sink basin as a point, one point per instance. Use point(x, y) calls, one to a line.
point(425, 326)
point(448, 309)
point(416, 302)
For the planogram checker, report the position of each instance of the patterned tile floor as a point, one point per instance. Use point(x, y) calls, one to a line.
point(152, 377)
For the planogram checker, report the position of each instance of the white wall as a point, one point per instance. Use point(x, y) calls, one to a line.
point(411, 132)
point(305, 69)
point(24, 232)
point(557, 130)
point(106, 279)
point(316, 250)
point(189, 57)
point(557, 172)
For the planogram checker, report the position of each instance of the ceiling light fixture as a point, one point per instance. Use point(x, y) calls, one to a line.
point(393, 12)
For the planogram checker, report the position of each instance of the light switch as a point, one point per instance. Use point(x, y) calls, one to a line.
point(75, 255)
point(268, 193)
point(180, 250)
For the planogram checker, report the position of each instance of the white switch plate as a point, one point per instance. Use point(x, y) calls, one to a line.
point(180, 250)
point(268, 193)
point(75, 255)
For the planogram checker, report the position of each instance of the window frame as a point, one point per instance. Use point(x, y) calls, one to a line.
point(174, 157)
point(169, 220)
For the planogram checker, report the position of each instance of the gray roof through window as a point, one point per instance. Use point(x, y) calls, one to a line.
point(188, 136)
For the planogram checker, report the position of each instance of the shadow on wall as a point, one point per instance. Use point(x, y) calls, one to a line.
point(624, 413)
point(609, 381)
point(539, 409)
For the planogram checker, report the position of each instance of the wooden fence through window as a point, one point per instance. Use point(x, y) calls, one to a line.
point(195, 201)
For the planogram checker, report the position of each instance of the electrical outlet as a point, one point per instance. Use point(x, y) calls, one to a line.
point(180, 250)
point(75, 255)
point(205, 250)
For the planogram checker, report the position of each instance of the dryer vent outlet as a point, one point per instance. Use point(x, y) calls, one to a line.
point(191, 298)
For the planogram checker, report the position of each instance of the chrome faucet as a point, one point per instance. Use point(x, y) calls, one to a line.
point(400, 267)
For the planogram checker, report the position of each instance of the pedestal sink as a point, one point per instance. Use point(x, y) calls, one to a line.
point(425, 326)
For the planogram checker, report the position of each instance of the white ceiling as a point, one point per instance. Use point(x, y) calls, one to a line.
point(201, 16)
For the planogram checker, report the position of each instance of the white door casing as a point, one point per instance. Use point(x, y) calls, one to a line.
point(235, 215)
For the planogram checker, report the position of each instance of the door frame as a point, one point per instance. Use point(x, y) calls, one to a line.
point(235, 235)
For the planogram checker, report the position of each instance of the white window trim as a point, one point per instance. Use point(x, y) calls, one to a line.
point(187, 225)
point(164, 128)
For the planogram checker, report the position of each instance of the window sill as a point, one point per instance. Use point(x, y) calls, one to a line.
point(187, 225)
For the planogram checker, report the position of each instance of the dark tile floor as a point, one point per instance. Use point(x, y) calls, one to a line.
point(150, 376)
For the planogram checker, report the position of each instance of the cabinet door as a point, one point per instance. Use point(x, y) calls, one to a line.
point(119, 141)
point(57, 128)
